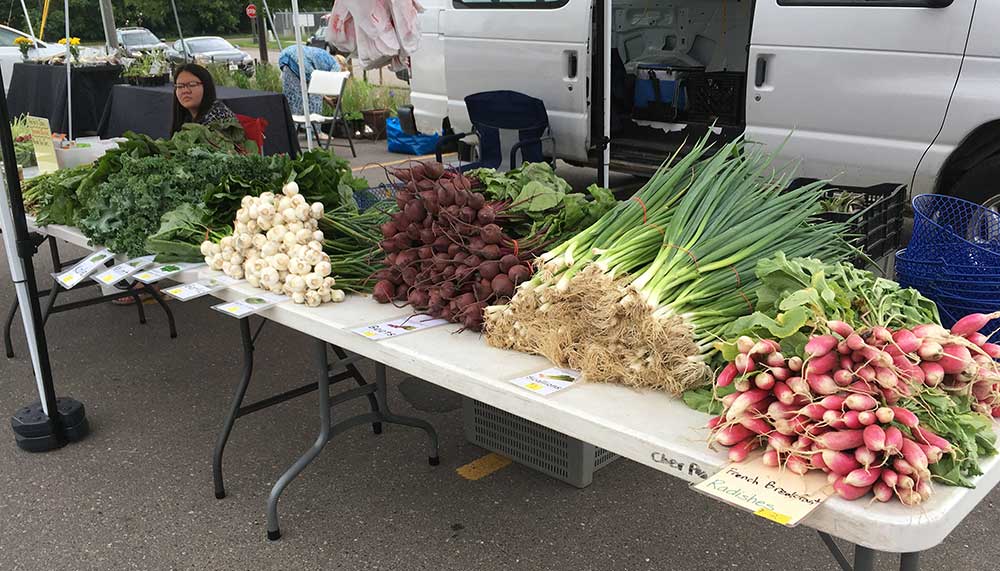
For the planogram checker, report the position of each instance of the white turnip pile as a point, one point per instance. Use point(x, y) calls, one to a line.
point(848, 407)
point(277, 245)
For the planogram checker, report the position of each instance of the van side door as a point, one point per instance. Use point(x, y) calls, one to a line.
point(862, 85)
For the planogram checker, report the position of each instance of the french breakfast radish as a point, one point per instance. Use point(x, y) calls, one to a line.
point(847, 491)
point(972, 323)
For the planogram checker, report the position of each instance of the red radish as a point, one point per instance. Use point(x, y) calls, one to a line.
point(843, 348)
point(815, 411)
point(862, 388)
point(906, 341)
point(881, 335)
point(867, 418)
point(739, 452)
point(775, 359)
point(799, 386)
point(852, 421)
point(914, 373)
point(890, 477)
point(771, 459)
point(923, 488)
point(860, 402)
point(833, 402)
point(744, 344)
point(893, 440)
point(816, 461)
point(834, 419)
point(732, 434)
point(891, 396)
point(855, 342)
point(882, 492)
point(743, 403)
point(763, 347)
point(866, 373)
point(914, 455)
point(757, 425)
point(764, 381)
point(840, 328)
point(795, 364)
point(847, 491)
point(841, 440)
point(847, 363)
point(863, 477)
point(905, 417)
point(876, 357)
point(726, 376)
point(991, 349)
point(886, 378)
point(742, 384)
point(864, 456)
point(933, 453)
point(874, 438)
point(728, 400)
point(972, 323)
point(779, 442)
point(843, 377)
point(977, 338)
point(783, 393)
point(923, 434)
point(821, 365)
point(954, 359)
point(930, 330)
point(904, 482)
point(796, 465)
point(781, 373)
point(778, 410)
point(930, 351)
point(820, 345)
point(823, 385)
point(884, 414)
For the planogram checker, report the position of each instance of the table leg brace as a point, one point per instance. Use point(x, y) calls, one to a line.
point(864, 557)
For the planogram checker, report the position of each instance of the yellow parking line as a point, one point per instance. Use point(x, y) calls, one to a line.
point(483, 467)
point(400, 161)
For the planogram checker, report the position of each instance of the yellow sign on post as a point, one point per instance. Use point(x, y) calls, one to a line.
point(41, 140)
point(771, 493)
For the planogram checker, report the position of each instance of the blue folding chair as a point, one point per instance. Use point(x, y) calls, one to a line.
point(494, 111)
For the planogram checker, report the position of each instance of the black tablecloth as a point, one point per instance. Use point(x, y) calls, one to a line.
point(148, 110)
point(40, 90)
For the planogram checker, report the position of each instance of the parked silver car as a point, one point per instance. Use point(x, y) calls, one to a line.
point(135, 41)
point(213, 49)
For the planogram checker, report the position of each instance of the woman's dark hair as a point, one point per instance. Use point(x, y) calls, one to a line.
point(182, 115)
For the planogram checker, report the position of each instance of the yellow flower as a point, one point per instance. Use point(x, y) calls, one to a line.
point(21, 40)
point(72, 41)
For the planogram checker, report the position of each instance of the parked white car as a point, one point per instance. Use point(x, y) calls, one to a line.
point(888, 91)
point(11, 54)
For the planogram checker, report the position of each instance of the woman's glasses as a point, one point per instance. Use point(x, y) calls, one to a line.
point(186, 86)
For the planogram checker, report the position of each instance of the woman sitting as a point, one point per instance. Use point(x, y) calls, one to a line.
point(195, 102)
point(315, 58)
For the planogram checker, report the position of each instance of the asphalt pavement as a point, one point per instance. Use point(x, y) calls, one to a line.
point(137, 493)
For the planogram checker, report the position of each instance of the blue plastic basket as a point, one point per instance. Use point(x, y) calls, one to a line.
point(369, 197)
point(931, 267)
point(949, 228)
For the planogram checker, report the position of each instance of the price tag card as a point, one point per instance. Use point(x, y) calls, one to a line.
point(117, 273)
point(250, 305)
point(199, 288)
point(399, 326)
point(771, 493)
point(84, 268)
point(159, 272)
point(548, 381)
point(41, 141)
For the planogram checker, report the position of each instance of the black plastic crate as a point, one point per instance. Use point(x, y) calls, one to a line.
point(875, 219)
point(715, 97)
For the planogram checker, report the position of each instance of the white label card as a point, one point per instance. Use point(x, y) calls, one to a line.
point(548, 381)
point(399, 326)
point(166, 270)
point(84, 268)
point(250, 305)
point(121, 271)
point(200, 288)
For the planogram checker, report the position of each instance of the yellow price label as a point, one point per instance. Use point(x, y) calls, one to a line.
point(174, 291)
point(533, 387)
point(68, 278)
point(107, 279)
point(369, 334)
point(145, 276)
point(773, 516)
point(233, 309)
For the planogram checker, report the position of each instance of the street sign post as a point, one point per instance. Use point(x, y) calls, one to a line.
point(261, 31)
point(251, 11)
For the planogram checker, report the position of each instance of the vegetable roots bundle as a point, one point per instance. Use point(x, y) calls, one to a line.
point(854, 406)
point(445, 253)
point(639, 297)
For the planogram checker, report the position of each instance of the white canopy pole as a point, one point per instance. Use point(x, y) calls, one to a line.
point(606, 154)
point(302, 73)
point(69, 76)
point(277, 38)
point(31, 29)
point(180, 35)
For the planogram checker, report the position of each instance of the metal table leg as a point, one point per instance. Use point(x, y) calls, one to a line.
point(864, 558)
point(273, 531)
point(8, 343)
point(241, 391)
point(158, 297)
point(372, 399)
point(909, 561)
point(380, 381)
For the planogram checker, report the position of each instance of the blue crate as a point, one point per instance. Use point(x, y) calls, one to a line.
point(949, 228)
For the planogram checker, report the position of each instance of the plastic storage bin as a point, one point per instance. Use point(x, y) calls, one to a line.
point(533, 445)
point(659, 94)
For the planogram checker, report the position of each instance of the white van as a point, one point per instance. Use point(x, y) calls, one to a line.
point(870, 90)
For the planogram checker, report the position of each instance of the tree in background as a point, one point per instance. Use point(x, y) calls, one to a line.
point(198, 17)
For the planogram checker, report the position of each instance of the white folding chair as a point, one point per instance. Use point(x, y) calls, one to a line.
point(328, 84)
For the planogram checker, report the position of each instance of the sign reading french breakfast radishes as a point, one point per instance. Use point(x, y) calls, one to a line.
point(771, 493)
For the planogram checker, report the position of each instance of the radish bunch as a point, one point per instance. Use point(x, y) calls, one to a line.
point(446, 253)
point(277, 245)
point(835, 409)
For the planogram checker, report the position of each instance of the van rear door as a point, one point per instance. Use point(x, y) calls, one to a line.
point(537, 47)
point(863, 85)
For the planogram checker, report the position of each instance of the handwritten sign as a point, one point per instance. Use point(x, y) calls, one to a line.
point(186, 292)
point(121, 271)
point(84, 268)
point(250, 305)
point(41, 140)
point(399, 326)
point(771, 493)
point(159, 272)
point(548, 381)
